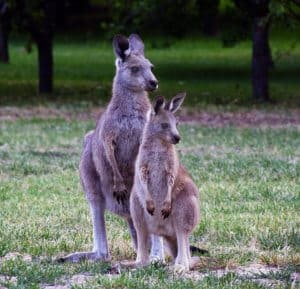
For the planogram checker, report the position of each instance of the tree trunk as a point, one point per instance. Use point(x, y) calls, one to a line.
point(42, 33)
point(4, 55)
point(208, 11)
point(4, 31)
point(271, 63)
point(45, 61)
point(260, 60)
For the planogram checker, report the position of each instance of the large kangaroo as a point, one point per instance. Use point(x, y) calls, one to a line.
point(164, 199)
point(109, 153)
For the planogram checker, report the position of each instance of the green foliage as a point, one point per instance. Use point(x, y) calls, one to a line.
point(235, 26)
point(236, 19)
point(210, 74)
point(26, 14)
point(163, 17)
point(166, 17)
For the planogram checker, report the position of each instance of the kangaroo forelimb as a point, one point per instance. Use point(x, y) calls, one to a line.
point(167, 204)
point(144, 175)
point(119, 189)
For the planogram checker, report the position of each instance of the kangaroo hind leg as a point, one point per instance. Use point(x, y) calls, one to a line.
point(92, 187)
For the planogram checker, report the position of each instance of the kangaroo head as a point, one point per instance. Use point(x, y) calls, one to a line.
point(134, 71)
point(163, 120)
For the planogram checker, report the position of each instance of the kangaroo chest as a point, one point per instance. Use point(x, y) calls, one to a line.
point(128, 140)
point(160, 163)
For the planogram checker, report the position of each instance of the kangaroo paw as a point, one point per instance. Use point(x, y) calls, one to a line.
point(150, 207)
point(120, 196)
point(166, 209)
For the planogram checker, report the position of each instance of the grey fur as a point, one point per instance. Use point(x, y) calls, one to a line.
point(109, 153)
point(164, 199)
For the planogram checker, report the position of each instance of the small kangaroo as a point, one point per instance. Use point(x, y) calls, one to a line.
point(109, 153)
point(164, 199)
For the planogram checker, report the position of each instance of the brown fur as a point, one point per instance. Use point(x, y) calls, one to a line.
point(164, 200)
point(109, 153)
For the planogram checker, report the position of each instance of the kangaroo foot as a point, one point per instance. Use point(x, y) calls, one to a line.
point(141, 264)
point(180, 269)
point(166, 209)
point(150, 207)
point(81, 256)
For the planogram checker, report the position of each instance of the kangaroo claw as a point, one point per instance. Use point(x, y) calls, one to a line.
point(166, 211)
point(120, 196)
point(150, 207)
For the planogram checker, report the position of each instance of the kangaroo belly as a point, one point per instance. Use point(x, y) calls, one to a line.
point(157, 182)
point(159, 226)
point(126, 154)
point(127, 144)
point(126, 150)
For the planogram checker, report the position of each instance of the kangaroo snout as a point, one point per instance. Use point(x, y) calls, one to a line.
point(152, 85)
point(176, 139)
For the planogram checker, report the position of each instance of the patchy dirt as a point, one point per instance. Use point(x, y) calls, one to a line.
point(80, 279)
point(251, 271)
point(241, 118)
point(42, 112)
point(257, 273)
point(57, 286)
point(15, 255)
point(295, 278)
point(75, 280)
point(249, 118)
point(8, 279)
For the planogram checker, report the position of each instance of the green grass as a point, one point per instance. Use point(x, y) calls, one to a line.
point(202, 67)
point(248, 180)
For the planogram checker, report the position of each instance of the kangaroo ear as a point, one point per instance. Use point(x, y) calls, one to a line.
point(158, 104)
point(121, 46)
point(136, 43)
point(176, 102)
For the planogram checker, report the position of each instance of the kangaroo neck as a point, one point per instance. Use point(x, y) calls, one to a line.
point(153, 142)
point(128, 101)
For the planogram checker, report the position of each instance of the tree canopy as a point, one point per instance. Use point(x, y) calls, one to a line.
point(233, 19)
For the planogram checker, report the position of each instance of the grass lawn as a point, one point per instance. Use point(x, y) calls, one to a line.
point(249, 184)
point(202, 67)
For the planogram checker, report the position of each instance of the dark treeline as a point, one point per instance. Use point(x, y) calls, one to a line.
point(231, 19)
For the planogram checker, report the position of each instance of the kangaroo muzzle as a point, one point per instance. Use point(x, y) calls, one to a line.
point(152, 85)
point(176, 139)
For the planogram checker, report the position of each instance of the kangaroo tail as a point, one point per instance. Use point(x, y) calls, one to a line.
point(195, 249)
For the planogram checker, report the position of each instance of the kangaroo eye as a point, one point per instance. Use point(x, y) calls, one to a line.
point(164, 125)
point(135, 69)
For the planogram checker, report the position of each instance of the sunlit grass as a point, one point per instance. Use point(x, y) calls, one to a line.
point(248, 180)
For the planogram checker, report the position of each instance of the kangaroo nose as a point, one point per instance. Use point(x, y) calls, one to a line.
point(176, 139)
point(153, 84)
